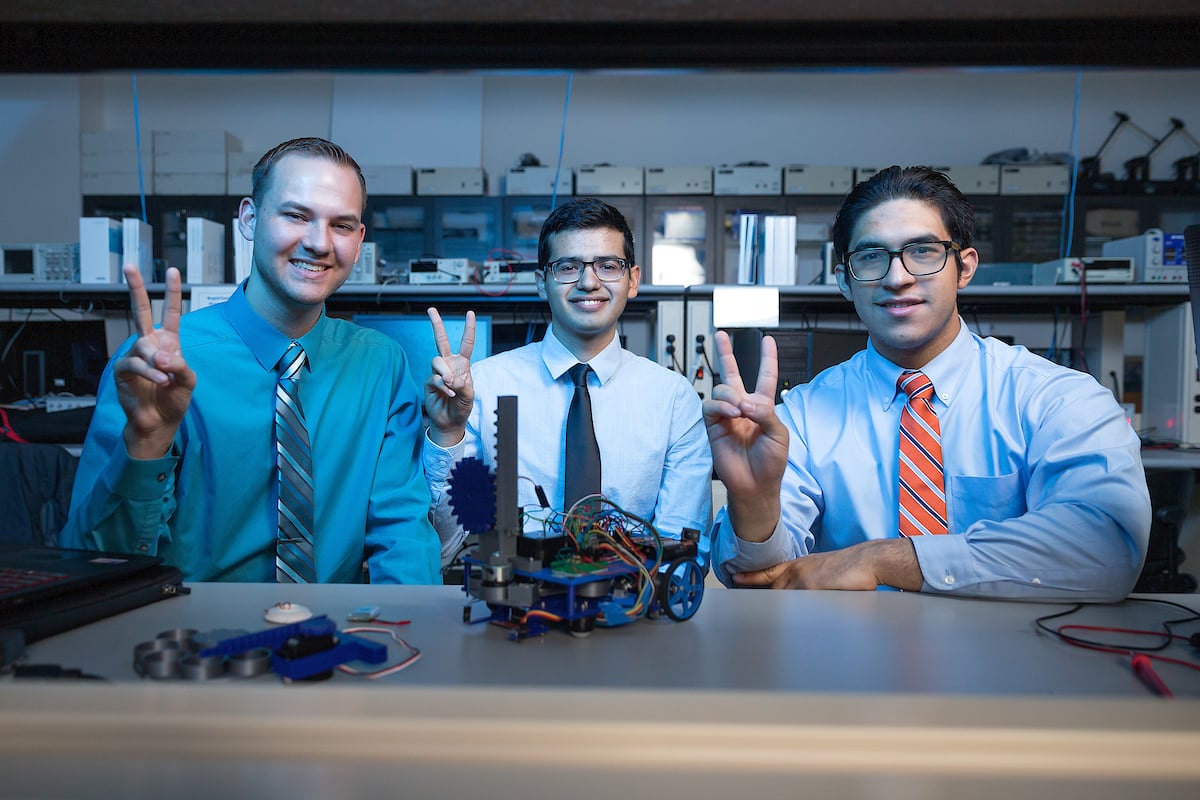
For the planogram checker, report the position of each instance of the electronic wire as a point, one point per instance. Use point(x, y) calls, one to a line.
point(562, 140)
point(1141, 656)
point(413, 657)
point(593, 530)
point(137, 138)
point(1067, 228)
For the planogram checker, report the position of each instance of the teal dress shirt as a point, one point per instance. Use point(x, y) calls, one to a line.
point(209, 505)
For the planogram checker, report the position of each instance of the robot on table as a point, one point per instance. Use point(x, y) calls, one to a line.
point(595, 565)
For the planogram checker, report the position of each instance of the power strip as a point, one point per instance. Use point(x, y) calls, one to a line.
point(67, 402)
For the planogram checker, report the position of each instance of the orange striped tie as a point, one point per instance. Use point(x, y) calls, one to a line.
point(922, 481)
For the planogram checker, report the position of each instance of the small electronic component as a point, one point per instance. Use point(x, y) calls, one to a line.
point(286, 613)
point(364, 614)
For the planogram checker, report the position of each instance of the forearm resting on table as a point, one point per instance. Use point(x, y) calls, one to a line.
point(894, 562)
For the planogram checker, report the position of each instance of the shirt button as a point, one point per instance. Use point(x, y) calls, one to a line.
point(949, 580)
point(143, 548)
point(1037, 581)
point(162, 476)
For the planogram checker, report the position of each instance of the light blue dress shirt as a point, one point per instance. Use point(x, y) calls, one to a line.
point(1044, 481)
point(654, 454)
point(209, 506)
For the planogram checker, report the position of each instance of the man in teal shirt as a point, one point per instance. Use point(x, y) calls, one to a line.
point(180, 459)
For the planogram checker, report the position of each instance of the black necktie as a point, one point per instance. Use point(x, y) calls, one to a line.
point(581, 467)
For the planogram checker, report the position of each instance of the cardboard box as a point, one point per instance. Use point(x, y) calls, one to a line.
point(205, 251)
point(137, 246)
point(538, 181)
point(113, 142)
point(1039, 179)
point(115, 183)
point(100, 243)
point(679, 180)
point(116, 162)
point(452, 181)
point(239, 173)
point(606, 180)
point(195, 142)
point(388, 179)
point(805, 179)
point(748, 180)
point(187, 161)
point(189, 183)
point(981, 179)
point(1113, 223)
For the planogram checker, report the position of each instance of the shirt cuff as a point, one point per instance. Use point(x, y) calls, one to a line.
point(142, 479)
point(945, 562)
point(732, 555)
point(438, 460)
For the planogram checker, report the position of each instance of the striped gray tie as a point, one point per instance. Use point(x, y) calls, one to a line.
point(294, 561)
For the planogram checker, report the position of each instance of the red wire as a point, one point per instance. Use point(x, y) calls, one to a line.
point(1139, 661)
point(6, 429)
point(1134, 631)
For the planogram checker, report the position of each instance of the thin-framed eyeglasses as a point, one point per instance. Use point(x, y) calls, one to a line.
point(919, 258)
point(570, 270)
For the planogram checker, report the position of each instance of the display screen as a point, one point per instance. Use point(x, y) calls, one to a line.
point(415, 335)
point(18, 261)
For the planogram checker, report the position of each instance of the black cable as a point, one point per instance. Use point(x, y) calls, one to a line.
point(52, 672)
point(1167, 633)
point(701, 351)
point(670, 350)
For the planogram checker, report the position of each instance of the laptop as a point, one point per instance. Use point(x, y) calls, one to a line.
point(45, 591)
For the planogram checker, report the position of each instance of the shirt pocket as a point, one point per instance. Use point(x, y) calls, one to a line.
point(988, 497)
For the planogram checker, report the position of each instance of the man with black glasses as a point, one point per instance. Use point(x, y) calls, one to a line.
point(644, 446)
point(852, 482)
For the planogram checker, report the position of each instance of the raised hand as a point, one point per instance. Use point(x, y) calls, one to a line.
point(749, 442)
point(154, 383)
point(449, 392)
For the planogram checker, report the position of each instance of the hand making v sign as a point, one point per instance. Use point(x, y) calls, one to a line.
point(449, 393)
point(154, 383)
point(749, 443)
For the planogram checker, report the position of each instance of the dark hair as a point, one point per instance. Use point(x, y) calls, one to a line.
point(905, 183)
point(310, 147)
point(582, 214)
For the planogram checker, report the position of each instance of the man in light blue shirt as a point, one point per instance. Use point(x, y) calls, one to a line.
point(180, 459)
point(654, 455)
point(1044, 493)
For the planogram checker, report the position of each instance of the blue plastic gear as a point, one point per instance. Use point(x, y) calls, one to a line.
point(473, 495)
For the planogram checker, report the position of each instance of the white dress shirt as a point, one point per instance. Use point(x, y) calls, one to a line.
point(654, 454)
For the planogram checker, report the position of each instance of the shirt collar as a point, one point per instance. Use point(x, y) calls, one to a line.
point(262, 339)
point(946, 370)
point(558, 359)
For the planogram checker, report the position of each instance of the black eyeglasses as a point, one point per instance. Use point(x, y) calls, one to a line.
point(570, 270)
point(919, 258)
